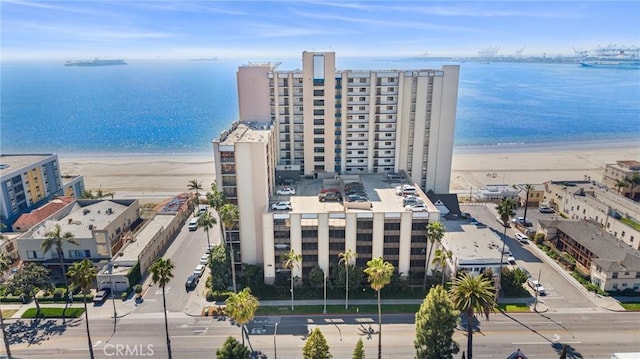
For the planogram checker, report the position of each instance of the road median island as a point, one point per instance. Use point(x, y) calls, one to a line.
point(52, 312)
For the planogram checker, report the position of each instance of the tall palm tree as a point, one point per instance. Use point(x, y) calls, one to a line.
point(216, 199)
point(346, 258)
point(470, 295)
point(505, 208)
point(528, 188)
point(195, 185)
point(206, 221)
point(82, 275)
point(161, 273)
point(5, 263)
point(291, 260)
point(634, 182)
point(440, 258)
point(379, 274)
point(620, 183)
point(56, 239)
point(229, 215)
point(435, 233)
point(241, 307)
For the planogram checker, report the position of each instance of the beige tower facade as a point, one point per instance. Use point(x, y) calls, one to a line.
point(356, 122)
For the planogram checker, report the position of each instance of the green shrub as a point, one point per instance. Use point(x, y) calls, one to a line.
point(138, 288)
point(59, 294)
point(46, 312)
point(134, 275)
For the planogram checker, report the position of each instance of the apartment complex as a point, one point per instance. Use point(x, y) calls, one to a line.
point(611, 264)
point(29, 180)
point(356, 122)
point(589, 200)
point(319, 127)
point(617, 175)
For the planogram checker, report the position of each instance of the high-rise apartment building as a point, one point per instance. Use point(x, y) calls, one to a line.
point(354, 122)
point(327, 128)
point(29, 180)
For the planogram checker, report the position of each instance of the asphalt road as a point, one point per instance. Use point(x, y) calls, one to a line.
point(595, 335)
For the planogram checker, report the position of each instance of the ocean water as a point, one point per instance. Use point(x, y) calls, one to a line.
point(181, 106)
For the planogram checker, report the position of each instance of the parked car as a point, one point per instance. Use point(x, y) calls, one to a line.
point(286, 182)
point(522, 238)
point(286, 191)
point(204, 259)
point(193, 224)
point(412, 200)
point(511, 259)
point(101, 296)
point(405, 190)
point(199, 270)
point(192, 282)
point(329, 196)
point(394, 176)
point(418, 207)
point(281, 206)
point(546, 210)
point(536, 286)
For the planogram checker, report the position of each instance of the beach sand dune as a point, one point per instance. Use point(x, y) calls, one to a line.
point(159, 176)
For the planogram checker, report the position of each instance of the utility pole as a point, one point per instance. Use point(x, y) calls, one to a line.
point(275, 348)
point(535, 305)
point(324, 311)
point(113, 296)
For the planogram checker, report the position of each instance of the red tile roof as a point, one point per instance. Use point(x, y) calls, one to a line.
point(28, 220)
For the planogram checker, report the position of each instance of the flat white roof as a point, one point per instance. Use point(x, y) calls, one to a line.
point(471, 244)
point(132, 251)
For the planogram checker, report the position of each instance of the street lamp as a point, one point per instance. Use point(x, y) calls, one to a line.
point(275, 348)
point(324, 311)
point(113, 296)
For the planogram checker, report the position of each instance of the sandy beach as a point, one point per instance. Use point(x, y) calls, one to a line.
point(158, 176)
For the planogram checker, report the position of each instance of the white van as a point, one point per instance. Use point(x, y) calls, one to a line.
point(193, 224)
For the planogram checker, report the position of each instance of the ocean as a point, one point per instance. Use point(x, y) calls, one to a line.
point(179, 107)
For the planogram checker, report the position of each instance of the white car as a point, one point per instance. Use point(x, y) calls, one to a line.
point(535, 285)
point(282, 206)
point(286, 191)
point(204, 259)
point(418, 207)
point(511, 259)
point(522, 238)
point(199, 270)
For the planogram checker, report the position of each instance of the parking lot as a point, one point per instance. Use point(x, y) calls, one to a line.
point(560, 292)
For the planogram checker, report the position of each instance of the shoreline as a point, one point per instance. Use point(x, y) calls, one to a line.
point(156, 175)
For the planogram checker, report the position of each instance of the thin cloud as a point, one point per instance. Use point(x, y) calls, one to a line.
point(478, 10)
point(80, 32)
point(272, 30)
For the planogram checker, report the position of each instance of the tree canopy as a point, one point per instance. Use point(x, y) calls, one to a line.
point(436, 321)
point(232, 349)
point(316, 346)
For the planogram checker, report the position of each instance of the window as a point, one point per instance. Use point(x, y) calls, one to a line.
point(318, 92)
point(79, 253)
point(363, 99)
point(33, 254)
point(318, 131)
point(363, 89)
point(318, 102)
point(318, 140)
point(615, 275)
point(318, 112)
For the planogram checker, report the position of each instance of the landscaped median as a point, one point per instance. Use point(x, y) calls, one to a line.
point(53, 312)
point(353, 309)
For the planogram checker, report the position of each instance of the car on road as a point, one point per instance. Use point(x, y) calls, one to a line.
point(544, 209)
point(286, 191)
point(204, 259)
point(193, 224)
point(192, 282)
point(101, 296)
point(511, 259)
point(282, 206)
point(418, 207)
point(536, 286)
point(479, 224)
point(199, 270)
point(522, 238)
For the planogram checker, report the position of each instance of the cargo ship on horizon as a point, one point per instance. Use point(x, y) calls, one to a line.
point(614, 58)
point(95, 62)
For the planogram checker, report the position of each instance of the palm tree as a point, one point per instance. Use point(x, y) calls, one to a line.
point(207, 221)
point(241, 307)
point(440, 258)
point(82, 275)
point(620, 183)
point(505, 208)
point(195, 185)
point(229, 215)
point(527, 187)
point(470, 295)
point(435, 233)
point(217, 200)
point(379, 274)
point(346, 258)
point(161, 273)
point(55, 238)
point(5, 263)
point(633, 182)
point(290, 260)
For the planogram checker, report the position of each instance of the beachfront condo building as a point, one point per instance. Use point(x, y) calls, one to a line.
point(319, 129)
point(356, 121)
point(29, 180)
point(623, 176)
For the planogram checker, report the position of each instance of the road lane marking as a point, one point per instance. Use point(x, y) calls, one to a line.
point(538, 343)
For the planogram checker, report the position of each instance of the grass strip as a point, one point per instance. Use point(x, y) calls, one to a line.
point(631, 306)
point(48, 312)
point(514, 307)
